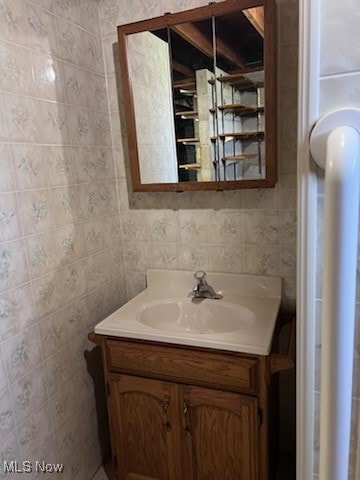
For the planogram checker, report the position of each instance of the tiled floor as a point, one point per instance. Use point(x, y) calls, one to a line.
point(100, 475)
point(105, 472)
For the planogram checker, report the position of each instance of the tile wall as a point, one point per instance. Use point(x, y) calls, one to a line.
point(339, 87)
point(67, 258)
point(61, 258)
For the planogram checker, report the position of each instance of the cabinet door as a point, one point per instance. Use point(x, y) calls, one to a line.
point(143, 414)
point(220, 435)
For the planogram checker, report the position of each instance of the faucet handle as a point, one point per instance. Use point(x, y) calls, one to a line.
point(200, 275)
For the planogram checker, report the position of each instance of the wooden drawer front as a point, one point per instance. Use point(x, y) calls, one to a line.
point(218, 370)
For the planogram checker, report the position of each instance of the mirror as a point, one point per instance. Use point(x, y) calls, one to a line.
point(199, 98)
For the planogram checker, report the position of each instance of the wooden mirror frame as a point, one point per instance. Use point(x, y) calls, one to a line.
point(197, 14)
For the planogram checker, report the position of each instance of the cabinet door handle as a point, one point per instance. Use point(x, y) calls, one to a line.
point(166, 404)
point(186, 406)
point(167, 426)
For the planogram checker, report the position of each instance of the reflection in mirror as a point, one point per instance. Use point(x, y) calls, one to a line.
point(195, 95)
point(150, 77)
point(192, 59)
point(239, 89)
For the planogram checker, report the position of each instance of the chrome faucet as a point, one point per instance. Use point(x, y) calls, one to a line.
point(202, 289)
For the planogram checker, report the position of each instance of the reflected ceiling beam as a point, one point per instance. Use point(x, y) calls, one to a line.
point(183, 69)
point(256, 18)
point(201, 42)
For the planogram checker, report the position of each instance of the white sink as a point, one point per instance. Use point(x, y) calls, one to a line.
point(195, 315)
point(243, 320)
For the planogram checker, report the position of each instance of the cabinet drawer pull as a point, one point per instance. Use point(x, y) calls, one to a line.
point(167, 426)
point(166, 403)
point(186, 406)
point(188, 431)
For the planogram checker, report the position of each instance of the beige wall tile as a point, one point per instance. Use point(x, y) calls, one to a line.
point(23, 119)
point(97, 270)
point(35, 211)
point(9, 448)
point(58, 370)
point(48, 77)
point(42, 254)
point(70, 244)
point(12, 22)
point(40, 27)
point(60, 166)
point(29, 394)
point(68, 9)
point(36, 431)
point(16, 73)
point(226, 258)
point(48, 294)
point(7, 178)
point(54, 334)
point(74, 280)
point(75, 81)
point(194, 226)
point(16, 311)
point(63, 404)
point(9, 218)
point(263, 260)
point(7, 422)
point(113, 13)
point(261, 227)
point(70, 45)
point(93, 54)
point(22, 353)
point(137, 256)
point(116, 262)
point(64, 201)
point(194, 257)
point(13, 268)
point(30, 166)
point(89, 18)
point(164, 256)
point(226, 227)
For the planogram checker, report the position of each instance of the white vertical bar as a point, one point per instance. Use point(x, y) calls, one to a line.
point(342, 180)
point(309, 54)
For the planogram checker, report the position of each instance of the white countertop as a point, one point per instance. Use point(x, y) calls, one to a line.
point(258, 295)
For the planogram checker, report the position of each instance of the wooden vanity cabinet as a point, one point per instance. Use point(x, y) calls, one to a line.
point(166, 431)
point(187, 413)
point(143, 414)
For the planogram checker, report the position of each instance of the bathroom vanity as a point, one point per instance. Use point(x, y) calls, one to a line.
point(186, 399)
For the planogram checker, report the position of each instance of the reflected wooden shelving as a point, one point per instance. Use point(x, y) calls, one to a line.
point(240, 109)
point(240, 81)
point(241, 135)
point(184, 84)
point(190, 166)
point(187, 114)
point(188, 140)
point(185, 87)
point(240, 157)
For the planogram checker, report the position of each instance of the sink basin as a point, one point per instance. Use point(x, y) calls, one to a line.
point(195, 315)
point(243, 320)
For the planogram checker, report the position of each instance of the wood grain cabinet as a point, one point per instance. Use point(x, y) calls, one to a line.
point(184, 413)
